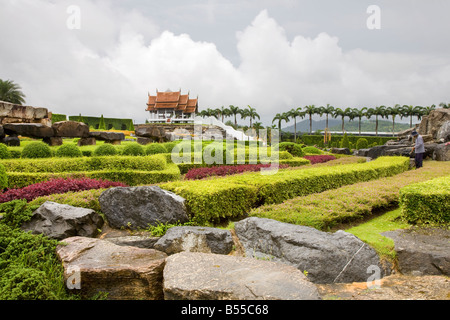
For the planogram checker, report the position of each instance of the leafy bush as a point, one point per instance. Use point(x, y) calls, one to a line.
point(3, 177)
point(320, 158)
point(311, 150)
point(56, 186)
point(4, 152)
point(427, 202)
point(291, 147)
point(208, 199)
point(68, 150)
point(155, 148)
point(35, 150)
point(105, 149)
point(169, 146)
point(362, 143)
point(345, 143)
point(133, 149)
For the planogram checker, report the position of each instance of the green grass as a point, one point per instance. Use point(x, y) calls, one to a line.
point(370, 233)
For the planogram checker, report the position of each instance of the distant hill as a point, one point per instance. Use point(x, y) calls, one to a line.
point(352, 126)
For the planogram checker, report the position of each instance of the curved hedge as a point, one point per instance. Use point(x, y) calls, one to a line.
point(232, 196)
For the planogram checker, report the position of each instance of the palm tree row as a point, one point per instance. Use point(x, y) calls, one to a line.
point(221, 113)
point(352, 113)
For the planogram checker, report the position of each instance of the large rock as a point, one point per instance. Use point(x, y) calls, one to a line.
point(139, 207)
point(93, 266)
point(60, 221)
point(379, 151)
point(203, 276)
point(432, 124)
point(442, 152)
point(195, 239)
point(71, 129)
point(10, 110)
point(422, 251)
point(327, 257)
point(341, 151)
point(32, 130)
point(107, 136)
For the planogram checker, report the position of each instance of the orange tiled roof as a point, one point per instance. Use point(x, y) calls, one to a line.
point(172, 100)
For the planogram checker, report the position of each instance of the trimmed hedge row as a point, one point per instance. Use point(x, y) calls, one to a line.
point(427, 202)
point(233, 196)
point(130, 170)
point(130, 177)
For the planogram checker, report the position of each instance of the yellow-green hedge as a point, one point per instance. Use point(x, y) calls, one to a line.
point(427, 202)
point(231, 196)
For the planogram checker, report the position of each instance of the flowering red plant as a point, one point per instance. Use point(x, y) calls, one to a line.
point(56, 186)
point(200, 173)
point(320, 158)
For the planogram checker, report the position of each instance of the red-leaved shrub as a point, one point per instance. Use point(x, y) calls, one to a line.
point(56, 186)
point(320, 158)
point(201, 173)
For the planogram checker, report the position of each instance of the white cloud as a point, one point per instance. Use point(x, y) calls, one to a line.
point(118, 56)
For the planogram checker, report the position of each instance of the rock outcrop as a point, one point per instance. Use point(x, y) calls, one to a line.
point(326, 257)
point(202, 276)
point(436, 124)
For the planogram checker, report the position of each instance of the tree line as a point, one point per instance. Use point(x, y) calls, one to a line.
point(380, 112)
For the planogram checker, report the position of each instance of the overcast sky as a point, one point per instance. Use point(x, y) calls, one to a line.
point(103, 57)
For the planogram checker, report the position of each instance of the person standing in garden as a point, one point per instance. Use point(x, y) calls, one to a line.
point(419, 149)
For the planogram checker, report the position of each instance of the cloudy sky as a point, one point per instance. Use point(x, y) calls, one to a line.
point(103, 56)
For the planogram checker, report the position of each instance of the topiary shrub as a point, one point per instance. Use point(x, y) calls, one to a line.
point(133, 149)
point(155, 148)
point(69, 151)
point(105, 150)
point(292, 148)
point(4, 152)
point(36, 149)
point(362, 143)
point(345, 143)
point(169, 146)
point(311, 150)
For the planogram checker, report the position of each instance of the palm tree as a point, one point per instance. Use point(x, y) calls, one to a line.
point(411, 111)
point(377, 111)
point(11, 92)
point(250, 113)
point(426, 111)
point(222, 111)
point(293, 114)
point(310, 110)
point(234, 111)
point(326, 110)
point(280, 117)
point(444, 105)
point(338, 112)
point(359, 113)
point(393, 112)
point(211, 113)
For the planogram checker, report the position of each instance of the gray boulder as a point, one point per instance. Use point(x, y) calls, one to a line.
point(442, 152)
point(341, 151)
point(145, 242)
point(107, 136)
point(205, 276)
point(139, 207)
point(422, 251)
point(60, 221)
point(195, 239)
point(327, 257)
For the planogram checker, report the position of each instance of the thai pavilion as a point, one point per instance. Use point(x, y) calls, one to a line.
point(170, 106)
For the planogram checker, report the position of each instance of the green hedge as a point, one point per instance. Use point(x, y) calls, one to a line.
point(128, 176)
point(210, 200)
point(427, 202)
point(318, 139)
